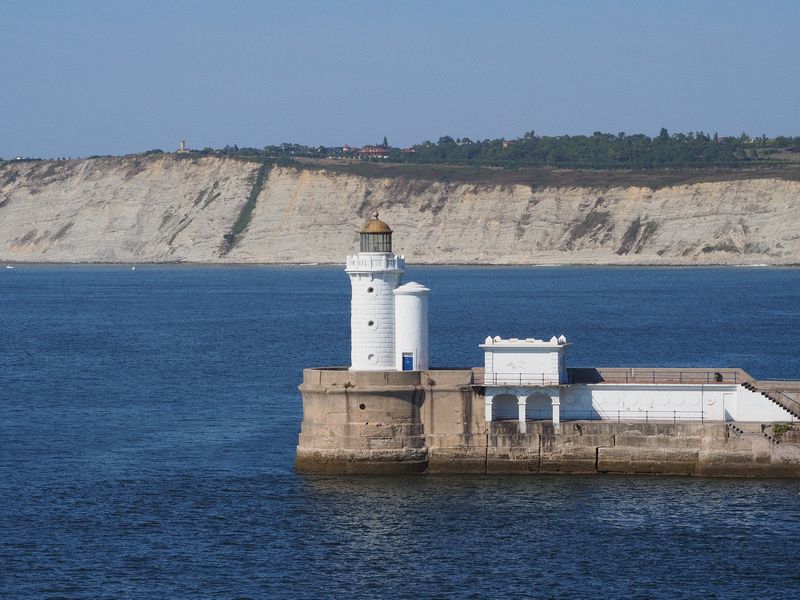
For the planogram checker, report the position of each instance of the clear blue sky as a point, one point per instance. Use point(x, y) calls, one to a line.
point(105, 77)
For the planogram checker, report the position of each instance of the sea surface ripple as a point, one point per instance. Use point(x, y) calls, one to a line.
point(148, 421)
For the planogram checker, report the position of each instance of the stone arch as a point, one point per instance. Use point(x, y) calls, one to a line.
point(538, 407)
point(504, 408)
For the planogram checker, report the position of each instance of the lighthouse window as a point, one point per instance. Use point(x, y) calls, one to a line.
point(372, 325)
point(376, 242)
point(370, 290)
point(372, 359)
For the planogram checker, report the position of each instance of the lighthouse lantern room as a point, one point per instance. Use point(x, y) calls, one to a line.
point(376, 236)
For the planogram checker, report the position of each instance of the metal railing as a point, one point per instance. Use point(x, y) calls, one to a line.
point(688, 376)
point(374, 262)
point(588, 376)
point(613, 415)
point(787, 402)
point(521, 379)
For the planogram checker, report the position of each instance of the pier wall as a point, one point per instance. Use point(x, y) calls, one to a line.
point(433, 421)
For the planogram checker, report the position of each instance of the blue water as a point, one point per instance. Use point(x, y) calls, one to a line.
point(148, 421)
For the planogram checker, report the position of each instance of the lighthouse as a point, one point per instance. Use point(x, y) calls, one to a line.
point(388, 322)
point(374, 273)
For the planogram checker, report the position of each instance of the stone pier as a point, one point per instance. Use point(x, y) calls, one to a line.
point(435, 421)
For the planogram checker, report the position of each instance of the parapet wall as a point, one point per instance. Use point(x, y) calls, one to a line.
point(433, 422)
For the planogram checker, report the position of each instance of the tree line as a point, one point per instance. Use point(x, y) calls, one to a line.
point(605, 150)
point(596, 151)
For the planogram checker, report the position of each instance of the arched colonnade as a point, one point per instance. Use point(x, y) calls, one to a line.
point(523, 404)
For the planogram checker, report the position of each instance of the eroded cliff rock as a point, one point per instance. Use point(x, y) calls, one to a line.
point(188, 209)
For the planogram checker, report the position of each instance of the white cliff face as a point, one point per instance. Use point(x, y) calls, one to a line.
point(170, 209)
point(119, 209)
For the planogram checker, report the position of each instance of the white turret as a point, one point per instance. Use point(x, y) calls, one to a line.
point(374, 274)
point(411, 327)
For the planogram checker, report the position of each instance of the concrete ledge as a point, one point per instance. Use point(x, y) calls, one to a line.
point(362, 462)
point(443, 463)
point(580, 460)
point(528, 461)
point(661, 461)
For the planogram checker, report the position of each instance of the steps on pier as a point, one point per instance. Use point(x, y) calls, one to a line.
point(740, 430)
point(782, 399)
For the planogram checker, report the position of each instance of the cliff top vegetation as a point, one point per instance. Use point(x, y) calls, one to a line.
point(600, 159)
point(596, 151)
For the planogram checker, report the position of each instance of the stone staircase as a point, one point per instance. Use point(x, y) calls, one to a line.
point(787, 403)
point(740, 430)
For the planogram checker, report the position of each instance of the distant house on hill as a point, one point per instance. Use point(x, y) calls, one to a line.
point(374, 152)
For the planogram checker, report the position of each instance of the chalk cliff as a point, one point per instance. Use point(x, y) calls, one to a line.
point(168, 208)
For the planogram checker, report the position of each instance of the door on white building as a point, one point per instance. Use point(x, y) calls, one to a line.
point(728, 406)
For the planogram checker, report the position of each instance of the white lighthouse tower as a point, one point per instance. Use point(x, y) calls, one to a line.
point(374, 273)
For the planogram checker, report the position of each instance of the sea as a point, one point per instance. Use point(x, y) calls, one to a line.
point(149, 418)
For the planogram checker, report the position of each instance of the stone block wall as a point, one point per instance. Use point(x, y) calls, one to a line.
point(393, 422)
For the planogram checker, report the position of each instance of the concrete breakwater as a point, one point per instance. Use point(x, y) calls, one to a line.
point(168, 208)
point(432, 421)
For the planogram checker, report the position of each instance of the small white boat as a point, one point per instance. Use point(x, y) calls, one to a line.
point(9, 266)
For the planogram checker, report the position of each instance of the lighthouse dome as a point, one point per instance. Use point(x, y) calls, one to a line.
point(376, 236)
point(375, 225)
